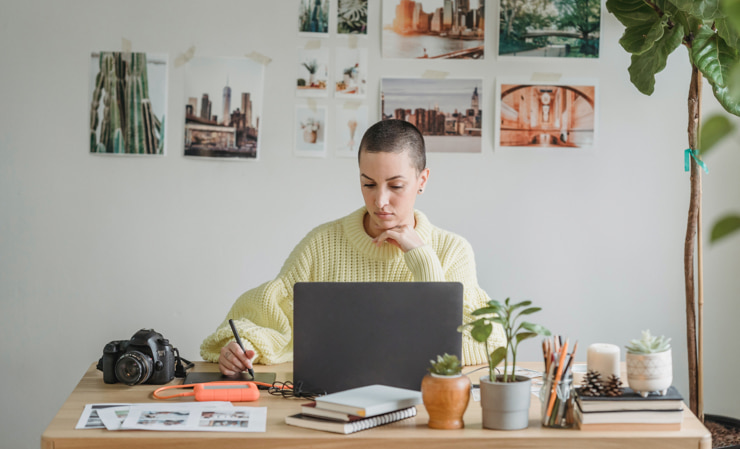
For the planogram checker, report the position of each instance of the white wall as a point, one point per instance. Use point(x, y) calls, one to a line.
point(93, 248)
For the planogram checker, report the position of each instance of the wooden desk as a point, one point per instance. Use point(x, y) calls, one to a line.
point(412, 432)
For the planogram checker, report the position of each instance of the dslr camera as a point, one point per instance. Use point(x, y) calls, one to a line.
point(147, 357)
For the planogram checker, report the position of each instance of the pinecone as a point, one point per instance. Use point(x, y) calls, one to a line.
point(613, 386)
point(592, 385)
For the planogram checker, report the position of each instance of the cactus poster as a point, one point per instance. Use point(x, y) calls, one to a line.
point(127, 103)
point(223, 107)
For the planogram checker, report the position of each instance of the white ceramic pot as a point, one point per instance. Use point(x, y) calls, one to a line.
point(649, 373)
point(505, 405)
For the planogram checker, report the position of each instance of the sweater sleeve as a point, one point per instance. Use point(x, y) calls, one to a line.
point(458, 262)
point(263, 315)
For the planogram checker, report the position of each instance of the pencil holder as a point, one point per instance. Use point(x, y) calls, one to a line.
point(556, 403)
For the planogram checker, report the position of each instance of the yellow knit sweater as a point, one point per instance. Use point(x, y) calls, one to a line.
point(341, 251)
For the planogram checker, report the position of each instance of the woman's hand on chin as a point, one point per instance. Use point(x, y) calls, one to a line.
point(402, 236)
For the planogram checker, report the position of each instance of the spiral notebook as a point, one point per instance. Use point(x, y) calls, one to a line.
point(354, 425)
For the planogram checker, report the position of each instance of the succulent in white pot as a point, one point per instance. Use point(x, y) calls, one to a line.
point(649, 364)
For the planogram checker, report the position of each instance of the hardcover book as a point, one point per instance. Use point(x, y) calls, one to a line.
point(370, 400)
point(310, 409)
point(630, 400)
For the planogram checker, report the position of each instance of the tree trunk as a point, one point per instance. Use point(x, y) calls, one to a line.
point(694, 104)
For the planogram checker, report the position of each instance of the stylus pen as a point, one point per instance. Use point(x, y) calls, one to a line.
point(241, 345)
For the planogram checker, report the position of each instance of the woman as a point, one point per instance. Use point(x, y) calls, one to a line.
point(384, 241)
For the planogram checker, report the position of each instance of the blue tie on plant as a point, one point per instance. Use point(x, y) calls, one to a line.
point(516, 332)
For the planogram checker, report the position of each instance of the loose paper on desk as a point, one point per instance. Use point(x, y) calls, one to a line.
point(113, 417)
point(90, 418)
point(200, 416)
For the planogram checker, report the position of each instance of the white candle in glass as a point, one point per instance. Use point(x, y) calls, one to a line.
point(604, 358)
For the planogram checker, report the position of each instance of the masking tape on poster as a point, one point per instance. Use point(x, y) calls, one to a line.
point(435, 74)
point(352, 41)
point(185, 57)
point(311, 104)
point(542, 77)
point(125, 45)
point(313, 44)
point(259, 58)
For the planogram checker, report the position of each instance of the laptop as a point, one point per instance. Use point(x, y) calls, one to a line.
point(352, 334)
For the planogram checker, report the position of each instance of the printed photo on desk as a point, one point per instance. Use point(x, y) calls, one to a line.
point(546, 115)
point(448, 112)
point(128, 99)
point(549, 28)
point(224, 107)
point(433, 29)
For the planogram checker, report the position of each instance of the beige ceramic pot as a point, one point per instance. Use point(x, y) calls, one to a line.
point(649, 373)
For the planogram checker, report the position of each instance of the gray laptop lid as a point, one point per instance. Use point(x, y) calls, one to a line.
point(351, 334)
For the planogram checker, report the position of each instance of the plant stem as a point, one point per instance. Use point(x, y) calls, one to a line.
point(694, 109)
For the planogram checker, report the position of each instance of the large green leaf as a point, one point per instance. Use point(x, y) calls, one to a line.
point(725, 226)
point(536, 328)
point(482, 332)
point(704, 9)
point(497, 356)
point(728, 31)
point(631, 12)
point(521, 336)
point(484, 311)
point(645, 65)
point(714, 129)
point(640, 38)
point(715, 59)
point(731, 8)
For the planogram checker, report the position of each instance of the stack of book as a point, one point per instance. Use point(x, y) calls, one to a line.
point(357, 409)
point(630, 411)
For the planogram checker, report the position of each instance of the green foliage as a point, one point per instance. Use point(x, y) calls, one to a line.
point(446, 365)
point(311, 66)
point(649, 344)
point(725, 226)
point(508, 315)
point(714, 129)
point(655, 28)
point(352, 17)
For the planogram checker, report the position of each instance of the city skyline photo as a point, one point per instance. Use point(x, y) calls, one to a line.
point(444, 29)
point(448, 112)
point(224, 98)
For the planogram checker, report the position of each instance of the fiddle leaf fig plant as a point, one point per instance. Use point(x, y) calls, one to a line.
point(509, 316)
point(708, 30)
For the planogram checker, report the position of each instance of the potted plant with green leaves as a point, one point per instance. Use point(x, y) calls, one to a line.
point(710, 32)
point(649, 364)
point(445, 392)
point(312, 66)
point(505, 397)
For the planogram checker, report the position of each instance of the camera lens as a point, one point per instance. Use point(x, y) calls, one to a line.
point(133, 368)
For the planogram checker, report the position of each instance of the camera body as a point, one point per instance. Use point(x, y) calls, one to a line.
point(147, 357)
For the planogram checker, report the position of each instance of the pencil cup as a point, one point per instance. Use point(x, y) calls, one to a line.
point(556, 402)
